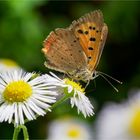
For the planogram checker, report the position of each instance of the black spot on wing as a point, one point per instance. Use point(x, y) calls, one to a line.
point(90, 48)
point(92, 39)
point(89, 57)
point(80, 31)
point(90, 27)
point(86, 32)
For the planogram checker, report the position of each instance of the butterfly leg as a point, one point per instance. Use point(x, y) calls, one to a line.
point(64, 76)
point(96, 74)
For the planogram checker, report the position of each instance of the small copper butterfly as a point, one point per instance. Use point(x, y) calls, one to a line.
point(76, 50)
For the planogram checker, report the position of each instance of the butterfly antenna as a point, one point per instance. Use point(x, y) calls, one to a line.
point(94, 83)
point(101, 73)
point(87, 84)
point(109, 82)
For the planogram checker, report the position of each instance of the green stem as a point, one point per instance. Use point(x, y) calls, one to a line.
point(25, 132)
point(16, 133)
point(18, 129)
point(60, 101)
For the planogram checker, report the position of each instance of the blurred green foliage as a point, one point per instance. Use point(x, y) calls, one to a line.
point(24, 24)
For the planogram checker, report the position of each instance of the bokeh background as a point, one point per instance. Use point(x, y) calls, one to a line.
point(24, 24)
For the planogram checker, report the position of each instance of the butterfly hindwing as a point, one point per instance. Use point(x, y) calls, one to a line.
point(63, 51)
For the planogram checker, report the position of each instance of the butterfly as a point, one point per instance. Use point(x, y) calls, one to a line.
point(76, 50)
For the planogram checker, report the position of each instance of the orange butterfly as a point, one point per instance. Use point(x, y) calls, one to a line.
point(77, 49)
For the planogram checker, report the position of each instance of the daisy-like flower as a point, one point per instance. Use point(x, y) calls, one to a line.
point(8, 64)
point(120, 121)
point(23, 96)
point(68, 128)
point(77, 98)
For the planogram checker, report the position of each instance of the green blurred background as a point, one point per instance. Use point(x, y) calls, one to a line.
point(24, 24)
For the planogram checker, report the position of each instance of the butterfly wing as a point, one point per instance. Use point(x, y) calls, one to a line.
point(92, 32)
point(102, 42)
point(63, 51)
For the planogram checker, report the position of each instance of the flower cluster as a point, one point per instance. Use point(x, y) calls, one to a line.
point(24, 96)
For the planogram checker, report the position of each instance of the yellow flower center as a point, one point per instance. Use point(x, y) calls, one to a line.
point(74, 132)
point(75, 85)
point(17, 91)
point(8, 63)
point(135, 123)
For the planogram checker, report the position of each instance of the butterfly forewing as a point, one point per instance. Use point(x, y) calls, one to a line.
point(102, 42)
point(63, 51)
point(89, 31)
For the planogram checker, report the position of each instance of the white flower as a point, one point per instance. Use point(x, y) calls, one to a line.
point(23, 96)
point(8, 64)
point(82, 102)
point(69, 129)
point(120, 121)
point(78, 98)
